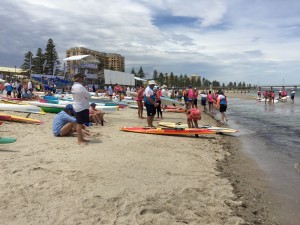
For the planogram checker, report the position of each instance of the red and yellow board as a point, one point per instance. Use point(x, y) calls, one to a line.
point(168, 131)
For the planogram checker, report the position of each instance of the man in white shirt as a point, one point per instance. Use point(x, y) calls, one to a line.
point(150, 103)
point(81, 98)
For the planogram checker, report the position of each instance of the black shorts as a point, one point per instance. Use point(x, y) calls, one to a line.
point(150, 109)
point(8, 92)
point(223, 108)
point(203, 102)
point(83, 116)
point(195, 101)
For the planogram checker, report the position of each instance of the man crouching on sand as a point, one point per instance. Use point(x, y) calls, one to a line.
point(64, 123)
point(81, 98)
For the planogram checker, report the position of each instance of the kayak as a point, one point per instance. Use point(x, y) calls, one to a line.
point(168, 131)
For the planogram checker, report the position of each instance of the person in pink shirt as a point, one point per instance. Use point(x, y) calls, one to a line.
point(139, 100)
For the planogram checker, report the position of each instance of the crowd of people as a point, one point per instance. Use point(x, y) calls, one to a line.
point(270, 95)
point(151, 96)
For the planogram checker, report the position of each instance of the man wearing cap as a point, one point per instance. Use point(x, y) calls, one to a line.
point(64, 122)
point(149, 100)
point(81, 98)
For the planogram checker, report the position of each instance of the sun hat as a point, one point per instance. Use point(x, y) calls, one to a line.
point(70, 108)
point(152, 82)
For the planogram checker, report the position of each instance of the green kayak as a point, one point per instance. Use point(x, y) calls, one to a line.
point(51, 109)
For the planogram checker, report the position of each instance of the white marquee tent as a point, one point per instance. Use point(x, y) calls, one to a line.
point(116, 77)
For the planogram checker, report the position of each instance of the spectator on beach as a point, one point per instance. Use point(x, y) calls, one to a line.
point(19, 89)
point(149, 100)
point(81, 98)
point(193, 115)
point(139, 100)
point(211, 102)
point(190, 97)
point(30, 86)
point(110, 92)
point(96, 115)
point(203, 100)
point(158, 94)
point(222, 105)
point(64, 122)
point(195, 101)
point(8, 88)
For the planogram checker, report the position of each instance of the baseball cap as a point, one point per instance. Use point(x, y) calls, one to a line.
point(70, 108)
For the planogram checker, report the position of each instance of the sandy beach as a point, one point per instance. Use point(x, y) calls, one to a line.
point(127, 178)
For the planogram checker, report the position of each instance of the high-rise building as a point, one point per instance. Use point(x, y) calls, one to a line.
point(110, 61)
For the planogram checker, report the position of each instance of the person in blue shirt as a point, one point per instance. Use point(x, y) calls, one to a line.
point(64, 122)
point(8, 88)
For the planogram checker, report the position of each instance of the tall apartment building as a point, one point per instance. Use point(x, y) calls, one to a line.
point(110, 61)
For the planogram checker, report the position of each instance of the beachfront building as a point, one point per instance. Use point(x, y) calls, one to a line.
point(111, 61)
point(10, 73)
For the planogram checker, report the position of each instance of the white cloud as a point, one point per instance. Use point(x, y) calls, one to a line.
point(220, 39)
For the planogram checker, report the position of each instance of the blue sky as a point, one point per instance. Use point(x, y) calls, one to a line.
point(256, 41)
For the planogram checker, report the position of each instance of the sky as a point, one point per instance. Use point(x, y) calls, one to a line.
point(252, 41)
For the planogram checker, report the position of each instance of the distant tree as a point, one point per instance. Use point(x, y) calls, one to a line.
point(186, 80)
point(172, 79)
point(141, 73)
point(51, 56)
point(234, 85)
point(155, 75)
point(133, 71)
point(38, 62)
point(215, 84)
point(180, 81)
point(26, 64)
point(161, 79)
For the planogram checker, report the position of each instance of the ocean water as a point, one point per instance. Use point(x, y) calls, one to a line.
point(270, 134)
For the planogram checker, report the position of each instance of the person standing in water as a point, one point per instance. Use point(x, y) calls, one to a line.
point(222, 105)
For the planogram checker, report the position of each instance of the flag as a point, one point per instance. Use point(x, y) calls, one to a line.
point(76, 70)
point(54, 68)
point(44, 65)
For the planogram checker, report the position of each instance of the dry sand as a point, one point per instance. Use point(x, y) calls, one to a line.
point(124, 178)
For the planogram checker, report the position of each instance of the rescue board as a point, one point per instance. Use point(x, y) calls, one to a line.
point(169, 101)
point(6, 117)
point(216, 129)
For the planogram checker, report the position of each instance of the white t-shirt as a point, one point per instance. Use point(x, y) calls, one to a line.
point(81, 97)
point(29, 85)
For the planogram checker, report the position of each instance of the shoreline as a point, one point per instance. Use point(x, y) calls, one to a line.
point(126, 178)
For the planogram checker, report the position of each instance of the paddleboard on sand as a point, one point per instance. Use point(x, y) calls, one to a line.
point(169, 101)
point(21, 108)
point(168, 131)
point(216, 129)
point(6, 117)
point(4, 140)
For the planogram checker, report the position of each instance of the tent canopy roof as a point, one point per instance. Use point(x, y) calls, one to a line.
point(88, 58)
